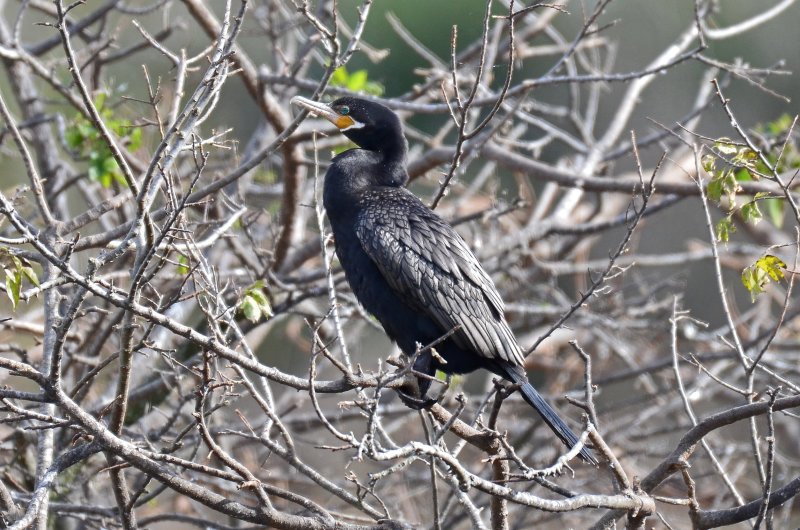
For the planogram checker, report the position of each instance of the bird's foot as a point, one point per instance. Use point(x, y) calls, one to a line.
point(505, 388)
point(413, 392)
point(414, 402)
point(418, 376)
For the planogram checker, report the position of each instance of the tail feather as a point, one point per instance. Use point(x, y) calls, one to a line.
point(550, 416)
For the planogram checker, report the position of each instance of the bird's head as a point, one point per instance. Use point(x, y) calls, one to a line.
point(368, 124)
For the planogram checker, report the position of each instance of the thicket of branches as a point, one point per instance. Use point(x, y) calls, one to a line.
point(178, 343)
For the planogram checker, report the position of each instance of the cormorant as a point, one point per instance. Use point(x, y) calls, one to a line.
point(410, 268)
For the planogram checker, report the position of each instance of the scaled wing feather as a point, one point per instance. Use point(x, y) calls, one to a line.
point(433, 270)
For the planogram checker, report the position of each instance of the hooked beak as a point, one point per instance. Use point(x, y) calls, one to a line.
point(322, 110)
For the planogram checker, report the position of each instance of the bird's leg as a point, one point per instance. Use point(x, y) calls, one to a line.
point(505, 387)
point(413, 392)
point(423, 366)
point(414, 402)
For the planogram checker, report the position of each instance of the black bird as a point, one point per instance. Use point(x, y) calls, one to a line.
point(410, 268)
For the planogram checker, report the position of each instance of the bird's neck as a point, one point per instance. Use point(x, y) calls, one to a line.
point(354, 173)
point(394, 153)
point(358, 169)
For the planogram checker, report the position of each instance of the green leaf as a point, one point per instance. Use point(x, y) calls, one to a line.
point(780, 125)
point(250, 308)
point(373, 88)
point(100, 99)
point(724, 229)
point(714, 190)
point(96, 170)
point(86, 129)
point(135, 138)
point(263, 302)
point(120, 178)
point(255, 302)
point(340, 77)
point(265, 176)
point(775, 209)
point(73, 137)
point(13, 285)
point(744, 156)
point(730, 187)
point(744, 175)
point(29, 273)
point(357, 81)
point(110, 165)
point(15, 269)
point(709, 162)
point(183, 260)
point(751, 213)
point(259, 296)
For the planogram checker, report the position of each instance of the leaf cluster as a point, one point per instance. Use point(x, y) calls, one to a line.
point(16, 269)
point(255, 303)
point(757, 275)
point(729, 164)
point(356, 82)
point(83, 137)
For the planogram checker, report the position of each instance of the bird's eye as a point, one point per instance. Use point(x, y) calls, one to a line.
point(344, 110)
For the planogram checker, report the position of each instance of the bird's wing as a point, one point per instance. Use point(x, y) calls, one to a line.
point(431, 268)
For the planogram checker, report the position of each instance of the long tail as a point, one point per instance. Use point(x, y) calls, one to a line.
point(547, 413)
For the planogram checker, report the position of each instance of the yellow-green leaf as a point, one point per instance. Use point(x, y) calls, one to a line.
point(184, 261)
point(339, 77)
point(772, 265)
point(752, 284)
point(756, 276)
